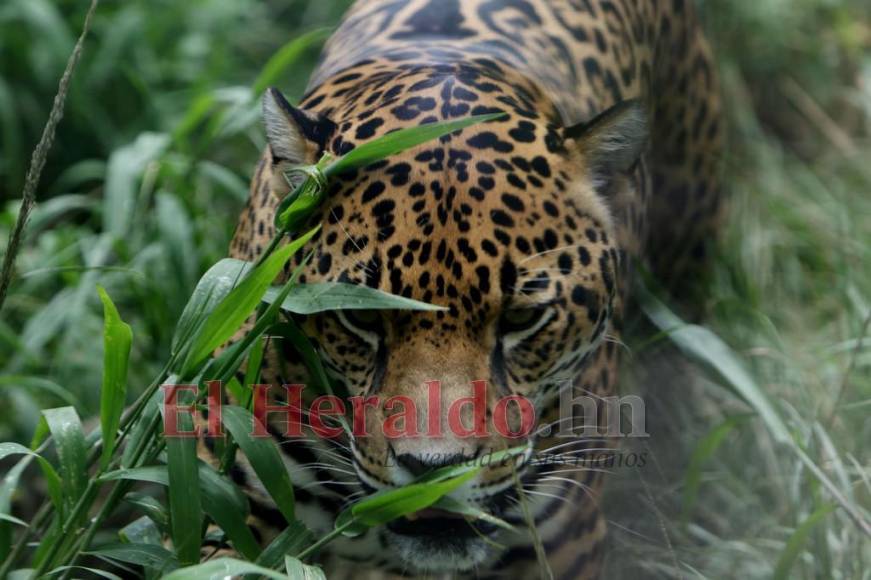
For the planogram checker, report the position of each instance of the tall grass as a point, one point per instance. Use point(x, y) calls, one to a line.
point(141, 192)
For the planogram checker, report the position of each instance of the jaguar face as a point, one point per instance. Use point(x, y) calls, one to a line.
point(504, 226)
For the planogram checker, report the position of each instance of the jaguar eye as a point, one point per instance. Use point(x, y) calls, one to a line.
point(364, 319)
point(520, 319)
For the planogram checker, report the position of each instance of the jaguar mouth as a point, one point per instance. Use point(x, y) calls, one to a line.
point(437, 541)
point(437, 523)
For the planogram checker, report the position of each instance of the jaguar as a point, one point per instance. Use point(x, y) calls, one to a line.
point(526, 229)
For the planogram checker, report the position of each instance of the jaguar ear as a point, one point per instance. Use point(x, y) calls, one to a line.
point(294, 135)
point(612, 141)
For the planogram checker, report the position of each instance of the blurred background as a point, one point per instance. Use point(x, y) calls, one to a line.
point(150, 169)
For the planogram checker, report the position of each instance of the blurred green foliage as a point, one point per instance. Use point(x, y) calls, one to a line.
point(147, 174)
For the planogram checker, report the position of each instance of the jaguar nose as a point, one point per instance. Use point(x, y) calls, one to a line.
point(418, 465)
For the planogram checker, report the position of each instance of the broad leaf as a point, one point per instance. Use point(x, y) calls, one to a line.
point(69, 439)
point(238, 305)
point(117, 339)
point(222, 568)
point(146, 555)
point(184, 491)
point(264, 457)
point(320, 297)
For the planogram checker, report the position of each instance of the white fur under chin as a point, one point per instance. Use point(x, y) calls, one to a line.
point(421, 555)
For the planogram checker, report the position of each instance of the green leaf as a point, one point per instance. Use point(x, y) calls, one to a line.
point(29, 383)
point(287, 56)
point(703, 345)
point(299, 571)
point(52, 210)
point(141, 531)
point(100, 573)
point(145, 555)
point(13, 520)
point(298, 205)
point(222, 501)
point(386, 506)
point(228, 508)
point(117, 339)
point(221, 569)
point(264, 457)
point(7, 449)
point(323, 296)
point(150, 474)
point(176, 234)
point(185, 508)
point(293, 540)
point(123, 173)
point(225, 365)
point(235, 308)
point(796, 542)
point(302, 345)
point(705, 448)
point(213, 287)
point(52, 479)
point(462, 468)
point(155, 512)
point(69, 439)
point(142, 428)
point(458, 507)
point(7, 487)
point(401, 140)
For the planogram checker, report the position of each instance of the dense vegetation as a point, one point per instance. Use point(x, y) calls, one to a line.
point(149, 171)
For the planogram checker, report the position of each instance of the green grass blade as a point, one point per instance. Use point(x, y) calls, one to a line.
point(117, 340)
point(151, 474)
point(222, 501)
point(796, 542)
point(7, 449)
point(176, 235)
point(38, 384)
point(94, 571)
point(401, 140)
point(291, 332)
point(10, 481)
point(387, 506)
point(69, 439)
point(703, 345)
point(142, 428)
point(8, 485)
point(320, 297)
point(293, 540)
point(299, 571)
point(286, 57)
point(155, 512)
point(235, 308)
point(228, 508)
point(223, 568)
point(122, 176)
point(213, 287)
point(145, 555)
point(142, 531)
point(264, 457)
point(185, 506)
point(452, 505)
point(705, 448)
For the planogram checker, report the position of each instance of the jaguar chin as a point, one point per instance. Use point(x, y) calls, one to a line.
point(436, 541)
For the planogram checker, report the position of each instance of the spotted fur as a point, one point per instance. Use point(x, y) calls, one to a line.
point(606, 156)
